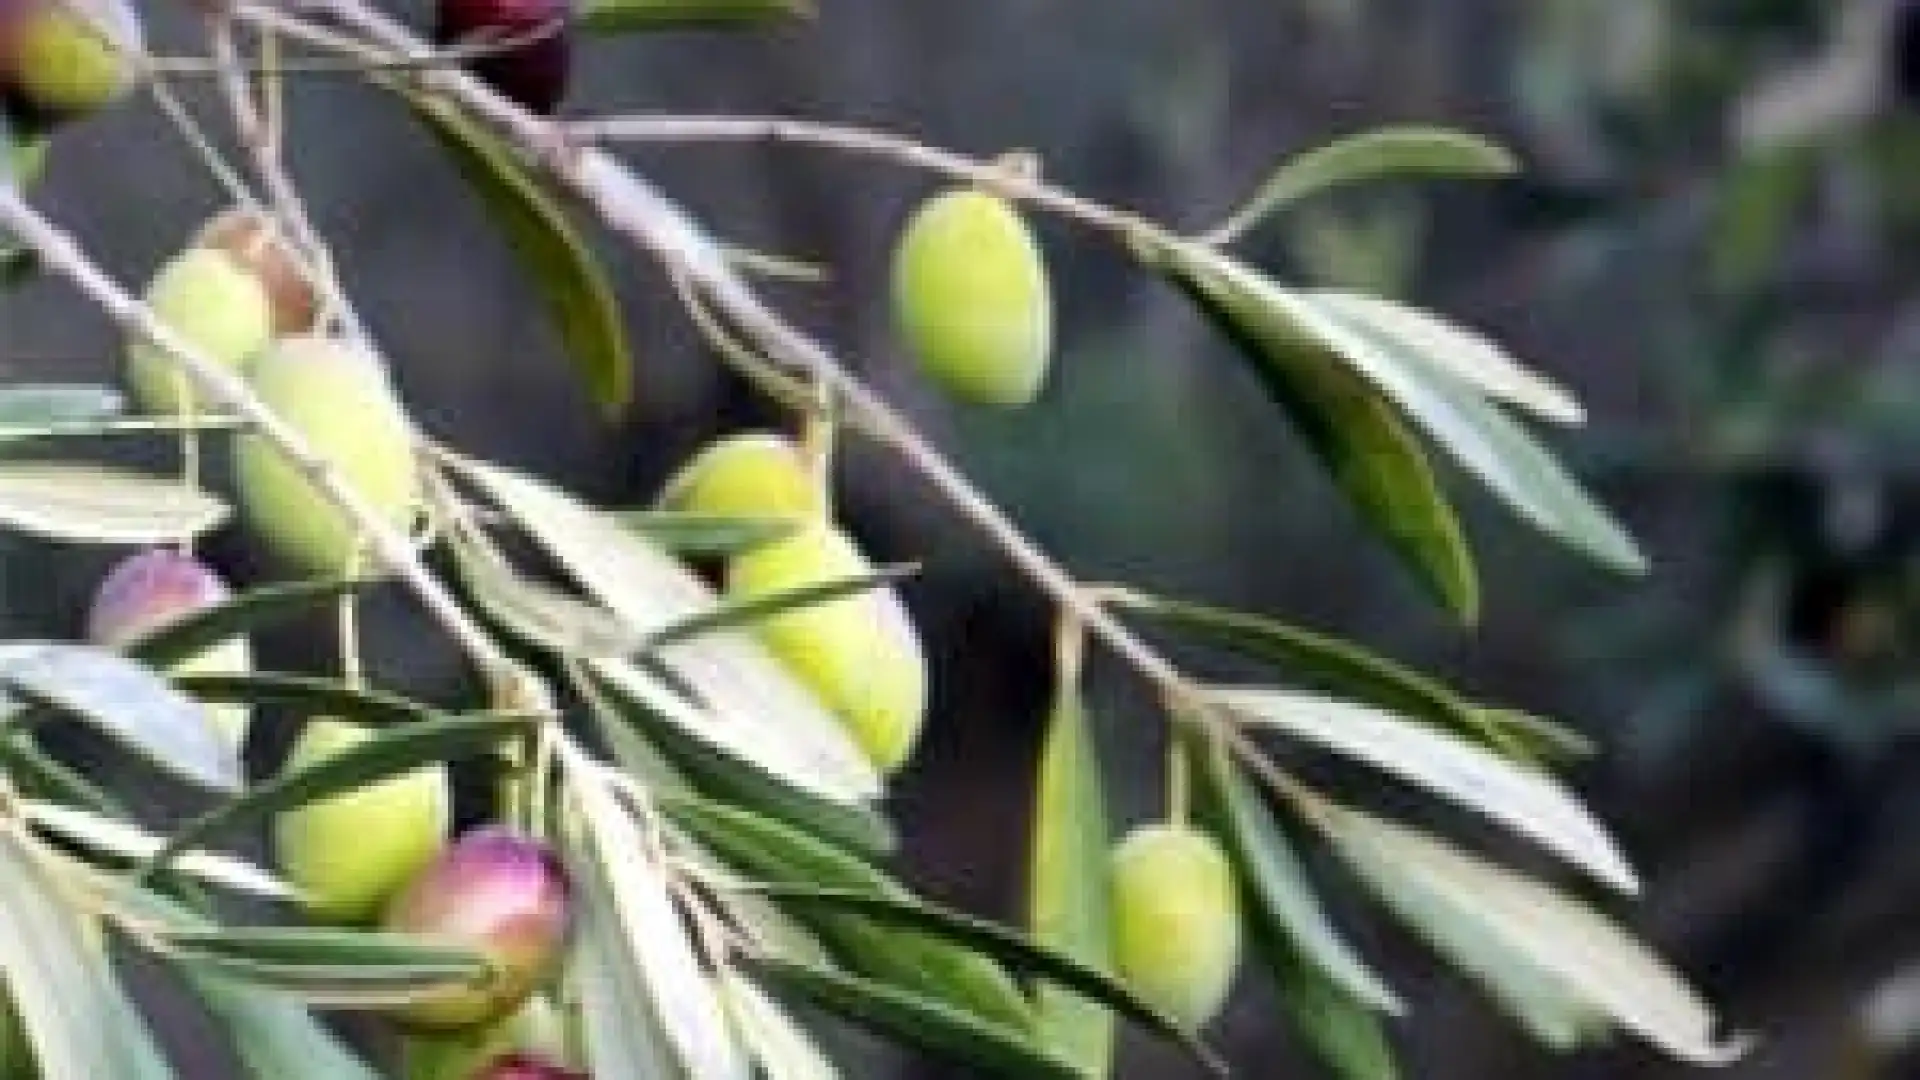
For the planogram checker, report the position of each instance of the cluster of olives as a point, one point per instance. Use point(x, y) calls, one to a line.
point(1176, 920)
point(241, 298)
point(860, 655)
point(61, 60)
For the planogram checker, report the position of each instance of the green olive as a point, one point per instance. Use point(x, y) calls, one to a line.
point(972, 300)
point(215, 306)
point(860, 655)
point(1176, 920)
point(338, 400)
point(63, 59)
point(753, 474)
point(350, 853)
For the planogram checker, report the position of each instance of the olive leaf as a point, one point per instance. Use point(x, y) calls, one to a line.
point(628, 16)
point(96, 504)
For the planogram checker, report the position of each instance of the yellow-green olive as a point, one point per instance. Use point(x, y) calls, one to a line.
point(63, 59)
point(753, 474)
point(338, 400)
point(348, 854)
point(860, 654)
point(214, 305)
point(972, 299)
point(1176, 920)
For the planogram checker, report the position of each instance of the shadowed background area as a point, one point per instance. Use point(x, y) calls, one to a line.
point(1714, 246)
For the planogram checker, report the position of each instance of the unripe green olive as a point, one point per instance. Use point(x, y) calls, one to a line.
point(1176, 920)
point(350, 853)
point(860, 655)
point(338, 399)
point(251, 239)
point(214, 305)
point(972, 300)
point(502, 894)
point(148, 591)
point(746, 475)
point(63, 59)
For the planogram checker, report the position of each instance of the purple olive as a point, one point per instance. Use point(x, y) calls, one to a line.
point(522, 1067)
point(501, 893)
point(149, 590)
point(535, 69)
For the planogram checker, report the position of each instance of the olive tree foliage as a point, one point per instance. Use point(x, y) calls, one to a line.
point(715, 800)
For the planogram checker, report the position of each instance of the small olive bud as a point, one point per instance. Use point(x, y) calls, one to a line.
point(535, 60)
point(251, 239)
point(972, 299)
point(1176, 920)
point(149, 591)
point(214, 305)
point(747, 475)
point(64, 59)
point(338, 399)
point(526, 1067)
point(349, 853)
point(501, 893)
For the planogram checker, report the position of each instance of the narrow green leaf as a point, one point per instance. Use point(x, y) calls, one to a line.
point(712, 536)
point(80, 1025)
point(781, 1047)
point(571, 282)
point(629, 16)
point(1327, 663)
point(126, 702)
point(739, 614)
point(36, 404)
point(1067, 888)
point(308, 694)
point(1374, 460)
point(116, 426)
point(542, 615)
point(620, 1024)
point(1453, 350)
point(124, 840)
point(1272, 875)
point(389, 753)
point(780, 855)
point(94, 504)
point(720, 774)
point(1373, 155)
point(1346, 1035)
point(1009, 947)
point(1555, 963)
point(245, 613)
point(926, 1022)
point(275, 1035)
point(1527, 801)
point(359, 969)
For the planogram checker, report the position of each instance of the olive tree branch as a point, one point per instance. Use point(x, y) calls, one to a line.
point(631, 206)
point(60, 253)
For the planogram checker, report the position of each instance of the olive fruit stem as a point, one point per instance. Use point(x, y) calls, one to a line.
point(63, 255)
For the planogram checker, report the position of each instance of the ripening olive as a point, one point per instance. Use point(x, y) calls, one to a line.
point(63, 59)
point(1176, 920)
point(747, 475)
point(338, 399)
point(252, 240)
point(971, 297)
point(534, 70)
point(859, 654)
point(216, 307)
point(147, 592)
point(502, 894)
point(349, 853)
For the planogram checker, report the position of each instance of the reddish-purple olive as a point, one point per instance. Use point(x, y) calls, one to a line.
point(502, 894)
point(146, 592)
point(524, 1067)
point(534, 59)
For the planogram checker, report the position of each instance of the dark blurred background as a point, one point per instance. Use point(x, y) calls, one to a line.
point(1717, 244)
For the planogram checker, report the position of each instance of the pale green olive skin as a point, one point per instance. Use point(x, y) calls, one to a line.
point(860, 654)
point(351, 853)
point(216, 307)
point(972, 299)
point(752, 474)
point(1176, 921)
point(338, 400)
